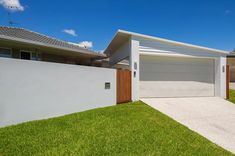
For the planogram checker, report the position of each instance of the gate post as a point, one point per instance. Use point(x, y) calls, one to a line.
point(227, 81)
point(134, 67)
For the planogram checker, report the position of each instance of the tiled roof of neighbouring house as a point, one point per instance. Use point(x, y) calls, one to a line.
point(37, 38)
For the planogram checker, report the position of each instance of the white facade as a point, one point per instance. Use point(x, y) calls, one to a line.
point(159, 49)
point(134, 66)
point(32, 90)
point(173, 69)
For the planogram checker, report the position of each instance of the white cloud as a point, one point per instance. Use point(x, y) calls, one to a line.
point(13, 5)
point(86, 44)
point(70, 32)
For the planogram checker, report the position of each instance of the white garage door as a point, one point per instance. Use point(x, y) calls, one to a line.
point(176, 77)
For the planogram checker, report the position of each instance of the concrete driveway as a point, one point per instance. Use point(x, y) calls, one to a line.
point(212, 117)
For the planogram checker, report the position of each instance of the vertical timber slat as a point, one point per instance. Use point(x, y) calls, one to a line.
point(123, 86)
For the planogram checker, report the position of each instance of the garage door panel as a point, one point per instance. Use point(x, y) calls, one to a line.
point(180, 60)
point(176, 89)
point(178, 68)
point(145, 76)
point(176, 77)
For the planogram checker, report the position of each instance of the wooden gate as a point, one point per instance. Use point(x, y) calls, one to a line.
point(123, 86)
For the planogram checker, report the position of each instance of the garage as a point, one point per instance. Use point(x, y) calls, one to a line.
point(162, 68)
point(176, 77)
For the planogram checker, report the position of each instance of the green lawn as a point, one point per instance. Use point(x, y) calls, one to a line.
point(231, 96)
point(131, 129)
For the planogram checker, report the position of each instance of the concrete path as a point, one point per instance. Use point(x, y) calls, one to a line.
point(212, 117)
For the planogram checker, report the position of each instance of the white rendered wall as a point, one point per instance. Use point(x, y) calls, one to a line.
point(134, 59)
point(162, 48)
point(220, 77)
point(32, 90)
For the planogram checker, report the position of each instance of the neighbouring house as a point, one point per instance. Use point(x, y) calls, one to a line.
point(231, 63)
point(28, 45)
point(165, 68)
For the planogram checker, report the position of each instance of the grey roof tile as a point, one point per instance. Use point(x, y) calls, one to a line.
point(20, 33)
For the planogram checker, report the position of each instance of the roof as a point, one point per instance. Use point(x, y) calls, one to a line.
point(27, 36)
point(123, 36)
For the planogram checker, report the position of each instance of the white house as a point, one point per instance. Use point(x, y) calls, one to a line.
point(43, 77)
point(165, 68)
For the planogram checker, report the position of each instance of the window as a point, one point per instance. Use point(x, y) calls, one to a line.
point(25, 55)
point(5, 52)
point(29, 55)
point(34, 56)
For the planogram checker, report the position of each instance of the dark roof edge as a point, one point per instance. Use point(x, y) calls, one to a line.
point(84, 51)
point(79, 49)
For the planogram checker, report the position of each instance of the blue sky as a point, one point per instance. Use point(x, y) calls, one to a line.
point(208, 23)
